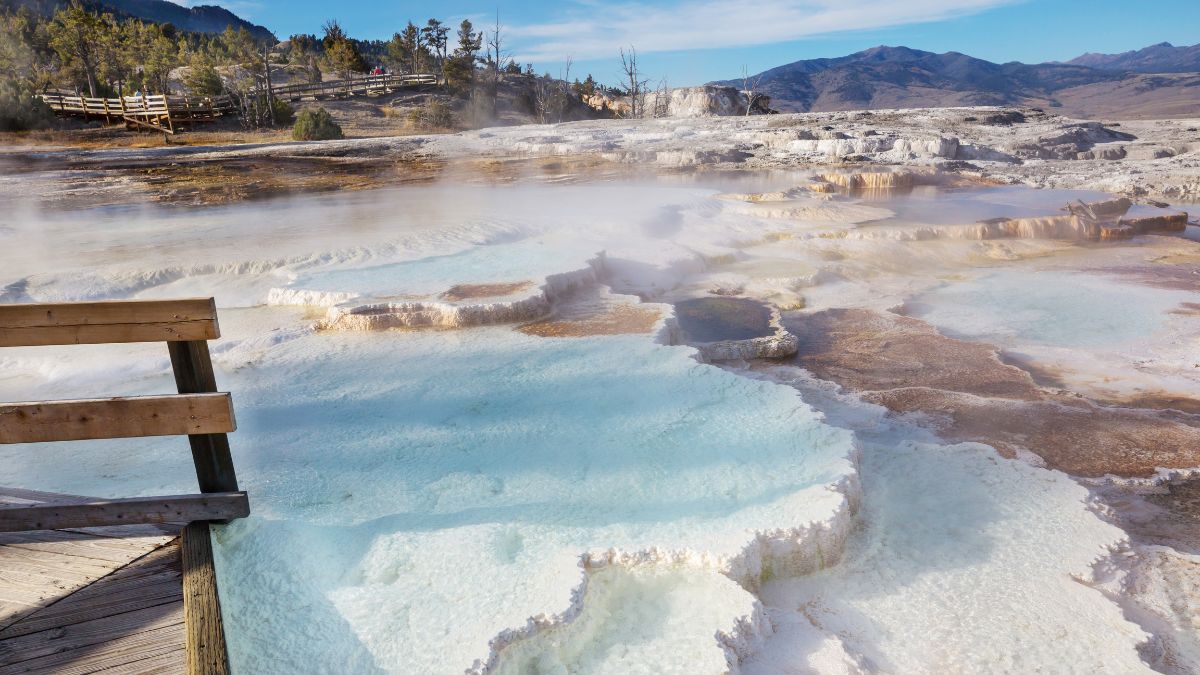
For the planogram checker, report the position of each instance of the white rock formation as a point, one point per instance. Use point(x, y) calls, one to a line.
point(706, 101)
point(385, 315)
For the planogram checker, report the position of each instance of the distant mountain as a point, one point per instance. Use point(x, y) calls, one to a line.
point(1160, 58)
point(900, 77)
point(198, 19)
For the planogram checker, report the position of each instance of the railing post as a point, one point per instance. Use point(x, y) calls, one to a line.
point(205, 651)
point(210, 452)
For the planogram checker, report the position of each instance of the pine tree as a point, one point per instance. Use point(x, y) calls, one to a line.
point(469, 42)
point(202, 78)
point(436, 38)
point(344, 59)
point(75, 34)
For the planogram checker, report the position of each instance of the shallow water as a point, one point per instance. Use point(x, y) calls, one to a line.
point(714, 319)
point(416, 494)
point(1013, 308)
point(936, 206)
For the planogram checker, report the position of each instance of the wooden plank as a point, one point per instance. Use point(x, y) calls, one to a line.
point(206, 651)
point(131, 417)
point(86, 634)
point(165, 590)
point(219, 506)
point(137, 537)
point(159, 650)
point(83, 545)
point(12, 495)
point(12, 610)
point(105, 322)
point(163, 531)
point(152, 580)
point(50, 562)
point(193, 370)
point(147, 568)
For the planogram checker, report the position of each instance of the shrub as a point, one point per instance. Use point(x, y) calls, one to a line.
point(435, 115)
point(1007, 118)
point(21, 111)
point(460, 75)
point(282, 111)
point(315, 125)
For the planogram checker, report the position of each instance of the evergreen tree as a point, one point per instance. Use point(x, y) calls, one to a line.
point(344, 59)
point(24, 70)
point(436, 38)
point(469, 42)
point(341, 54)
point(405, 48)
point(75, 34)
point(333, 33)
point(202, 78)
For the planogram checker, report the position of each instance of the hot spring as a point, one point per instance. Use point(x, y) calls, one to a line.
point(435, 491)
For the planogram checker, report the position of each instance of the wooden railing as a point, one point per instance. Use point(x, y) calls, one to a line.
point(198, 410)
point(354, 86)
point(159, 112)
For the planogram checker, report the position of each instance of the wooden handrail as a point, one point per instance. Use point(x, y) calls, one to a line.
point(108, 322)
point(139, 510)
point(141, 416)
point(198, 411)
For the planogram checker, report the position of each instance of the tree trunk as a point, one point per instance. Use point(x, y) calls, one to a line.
point(91, 79)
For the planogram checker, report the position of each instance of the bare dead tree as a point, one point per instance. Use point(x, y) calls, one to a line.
point(563, 90)
point(254, 95)
point(495, 54)
point(750, 88)
point(636, 86)
point(662, 100)
point(552, 97)
point(541, 98)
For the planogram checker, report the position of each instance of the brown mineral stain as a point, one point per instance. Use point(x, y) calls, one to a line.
point(1181, 276)
point(472, 291)
point(967, 393)
point(1187, 309)
point(617, 320)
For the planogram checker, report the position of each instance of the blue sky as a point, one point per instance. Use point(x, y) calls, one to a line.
point(695, 41)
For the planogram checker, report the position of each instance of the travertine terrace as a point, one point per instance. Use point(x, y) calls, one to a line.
point(938, 361)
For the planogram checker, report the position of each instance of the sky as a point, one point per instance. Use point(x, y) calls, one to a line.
point(689, 42)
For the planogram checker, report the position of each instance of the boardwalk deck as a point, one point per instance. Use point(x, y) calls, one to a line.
point(129, 585)
point(90, 600)
point(158, 112)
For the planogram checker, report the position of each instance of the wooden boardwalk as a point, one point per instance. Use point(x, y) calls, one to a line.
point(355, 86)
point(101, 599)
point(120, 585)
point(155, 112)
point(158, 112)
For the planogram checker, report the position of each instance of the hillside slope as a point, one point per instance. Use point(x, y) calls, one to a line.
point(197, 19)
point(1160, 58)
point(900, 77)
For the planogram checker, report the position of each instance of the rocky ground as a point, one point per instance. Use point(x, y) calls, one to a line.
point(1155, 160)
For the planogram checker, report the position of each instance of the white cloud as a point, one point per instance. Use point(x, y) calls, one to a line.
point(597, 29)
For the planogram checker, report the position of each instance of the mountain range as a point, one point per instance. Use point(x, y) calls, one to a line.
point(1158, 81)
point(1163, 57)
point(197, 19)
point(1161, 80)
